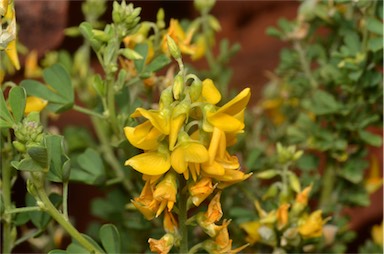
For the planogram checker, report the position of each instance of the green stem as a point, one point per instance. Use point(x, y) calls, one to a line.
point(326, 196)
point(304, 63)
point(87, 111)
point(183, 216)
point(195, 248)
point(285, 188)
point(60, 218)
point(65, 200)
point(23, 209)
point(110, 156)
point(206, 30)
point(7, 218)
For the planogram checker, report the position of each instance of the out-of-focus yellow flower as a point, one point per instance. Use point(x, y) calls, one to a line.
point(145, 203)
point(377, 234)
point(200, 48)
point(282, 215)
point(251, 228)
point(163, 245)
point(214, 212)
point(32, 69)
point(165, 192)
point(201, 190)
point(374, 180)
point(301, 200)
point(34, 104)
point(169, 223)
point(11, 52)
point(312, 225)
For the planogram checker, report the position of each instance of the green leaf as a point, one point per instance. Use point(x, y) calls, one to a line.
point(76, 248)
point(91, 168)
point(5, 115)
point(375, 26)
point(308, 162)
point(142, 49)
point(375, 44)
point(28, 164)
point(58, 78)
point(353, 170)
point(39, 154)
point(110, 238)
point(294, 182)
point(323, 103)
point(158, 63)
point(370, 138)
point(59, 162)
point(17, 101)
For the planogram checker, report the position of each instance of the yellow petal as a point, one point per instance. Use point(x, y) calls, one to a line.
point(215, 169)
point(237, 104)
point(252, 230)
point(225, 122)
point(159, 119)
point(177, 160)
point(143, 136)
point(150, 163)
point(34, 104)
point(11, 52)
point(176, 124)
point(210, 92)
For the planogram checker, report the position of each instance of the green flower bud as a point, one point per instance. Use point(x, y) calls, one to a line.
point(19, 146)
point(178, 86)
point(195, 90)
point(173, 48)
point(166, 97)
point(204, 5)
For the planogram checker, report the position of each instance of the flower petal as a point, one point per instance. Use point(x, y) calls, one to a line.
point(210, 92)
point(150, 163)
point(224, 122)
point(237, 104)
point(34, 104)
point(178, 160)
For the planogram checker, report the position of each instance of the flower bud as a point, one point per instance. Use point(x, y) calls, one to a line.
point(173, 48)
point(195, 90)
point(178, 86)
point(204, 5)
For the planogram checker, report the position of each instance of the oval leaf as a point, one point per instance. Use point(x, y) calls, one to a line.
point(110, 238)
point(17, 101)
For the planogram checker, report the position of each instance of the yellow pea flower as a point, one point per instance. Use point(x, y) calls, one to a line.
point(34, 104)
point(163, 245)
point(377, 234)
point(251, 228)
point(374, 180)
point(282, 215)
point(169, 223)
point(183, 40)
point(32, 69)
point(145, 203)
point(214, 212)
point(158, 118)
point(201, 190)
point(11, 52)
point(301, 200)
point(144, 136)
point(165, 192)
point(187, 150)
point(209, 92)
point(312, 226)
point(229, 117)
point(151, 163)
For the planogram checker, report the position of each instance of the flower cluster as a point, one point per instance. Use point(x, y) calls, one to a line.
point(185, 140)
point(289, 226)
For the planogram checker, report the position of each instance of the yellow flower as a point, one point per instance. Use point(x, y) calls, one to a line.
point(209, 92)
point(301, 200)
point(145, 203)
point(169, 223)
point(163, 245)
point(187, 150)
point(144, 136)
point(229, 117)
point(32, 69)
point(251, 228)
point(151, 163)
point(160, 119)
point(11, 52)
point(165, 192)
point(200, 48)
point(201, 190)
point(34, 104)
point(176, 32)
point(312, 226)
point(377, 234)
point(214, 212)
point(374, 180)
point(282, 216)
